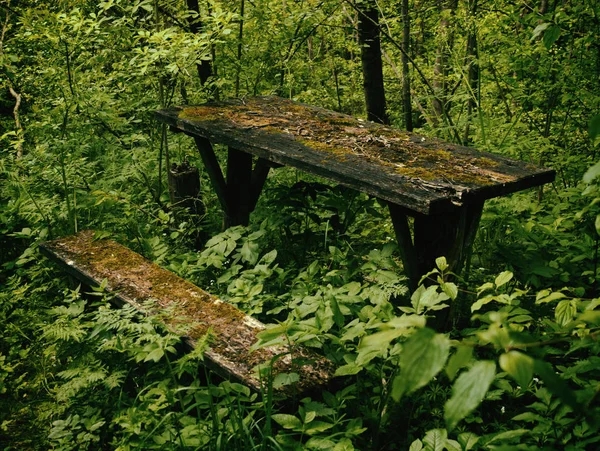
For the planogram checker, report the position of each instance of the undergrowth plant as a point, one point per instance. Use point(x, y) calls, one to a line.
point(503, 381)
point(518, 369)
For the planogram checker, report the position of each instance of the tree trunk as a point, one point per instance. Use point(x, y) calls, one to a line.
point(19, 140)
point(239, 49)
point(369, 39)
point(204, 67)
point(472, 69)
point(440, 69)
point(406, 98)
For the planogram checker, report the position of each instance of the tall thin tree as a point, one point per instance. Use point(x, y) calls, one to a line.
point(406, 96)
point(472, 68)
point(372, 67)
point(204, 67)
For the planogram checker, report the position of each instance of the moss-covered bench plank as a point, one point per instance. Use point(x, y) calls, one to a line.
point(135, 280)
point(442, 186)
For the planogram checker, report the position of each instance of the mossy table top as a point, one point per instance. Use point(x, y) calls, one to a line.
point(423, 175)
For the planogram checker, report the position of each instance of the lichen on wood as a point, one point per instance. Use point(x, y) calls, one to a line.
point(401, 152)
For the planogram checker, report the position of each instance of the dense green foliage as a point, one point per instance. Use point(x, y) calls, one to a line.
point(80, 150)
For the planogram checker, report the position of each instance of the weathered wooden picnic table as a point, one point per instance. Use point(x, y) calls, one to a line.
point(442, 186)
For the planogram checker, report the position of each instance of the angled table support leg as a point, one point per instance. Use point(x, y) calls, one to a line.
point(405, 243)
point(450, 235)
point(213, 169)
point(238, 193)
point(259, 176)
point(239, 182)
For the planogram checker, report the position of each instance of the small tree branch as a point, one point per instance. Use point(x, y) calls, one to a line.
point(17, 97)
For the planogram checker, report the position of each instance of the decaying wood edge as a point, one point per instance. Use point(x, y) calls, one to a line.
point(313, 376)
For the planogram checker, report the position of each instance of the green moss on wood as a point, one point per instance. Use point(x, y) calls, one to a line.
point(180, 305)
point(343, 137)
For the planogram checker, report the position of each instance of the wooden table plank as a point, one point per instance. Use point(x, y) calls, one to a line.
point(134, 280)
point(423, 175)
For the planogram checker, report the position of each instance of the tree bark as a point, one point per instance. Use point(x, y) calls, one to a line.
point(372, 68)
point(406, 97)
point(239, 49)
point(472, 69)
point(17, 97)
point(439, 107)
point(204, 67)
point(184, 188)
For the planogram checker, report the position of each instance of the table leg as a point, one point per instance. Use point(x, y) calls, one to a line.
point(238, 193)
point(450, 235)
point(239, 182)
point(214, 171)
point(259, 176)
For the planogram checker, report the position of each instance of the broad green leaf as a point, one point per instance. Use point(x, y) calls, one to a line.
point(486, 286)
point(426, 298)
point(468, 392)
point(348, 370)
point(283, 379)
point(592, 172)
point(423, 356)
point(319, 443)
point(272, 332)
point(441, 263)
point(565, 311)
point(417, 445)
point(450, 289)
point(317, 426)
point(268, 258)
point(590, 317)
point(155, 355)
point(287, 421)
point(468, 440)
point(555, 384)
point(353, 331)
point(256, 235)
point(255, 290)
point(453, 445)
point(344, 444)
point(249, 252)
point(506, 435)
point(530, 417)
point(496, 335)
point(519, 366)
point(481, 302)
point(367, 354)
point(338, 317)
point(541, 299)
point(379, 340)
point(435, 440)
point(406, 322)
point(539, 30)
point(594, 127)
point(309, 416)
point(551, 35)
point(461, 358)
point(503, 278)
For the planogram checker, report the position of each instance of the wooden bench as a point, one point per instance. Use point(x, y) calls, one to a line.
point(442, 186)
point(134, 280)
